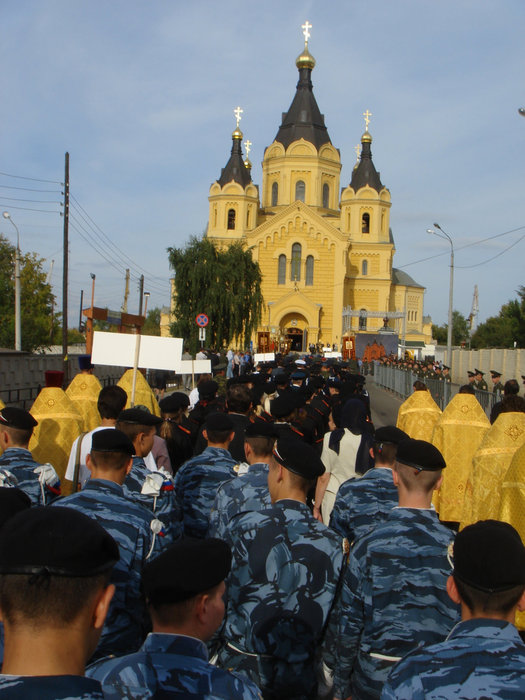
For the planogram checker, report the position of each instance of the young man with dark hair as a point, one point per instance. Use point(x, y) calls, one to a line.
point(39, 481)
point(185, 601)
point(364, 502)
point(55, 566)
point(393, 596)
point(197, 481)
point(483, 656)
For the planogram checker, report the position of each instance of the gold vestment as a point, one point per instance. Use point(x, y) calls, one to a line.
point(457, 435)
point(418, 415)
point(59, 424)
point(489, 466)
point(83, 392)
point(144, 396)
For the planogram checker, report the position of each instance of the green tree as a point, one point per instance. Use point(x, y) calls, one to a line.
point(460, 331)
point(152, 323)
point(495, 332)
point(36, 300)
point(224, 284)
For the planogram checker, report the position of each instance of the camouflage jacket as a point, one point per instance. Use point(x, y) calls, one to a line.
point(50, 688)
point(21, 464)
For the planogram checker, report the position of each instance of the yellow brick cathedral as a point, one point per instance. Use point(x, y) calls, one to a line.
point(325, 253)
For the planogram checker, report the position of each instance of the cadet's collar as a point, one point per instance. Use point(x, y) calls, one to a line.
point(179, 644)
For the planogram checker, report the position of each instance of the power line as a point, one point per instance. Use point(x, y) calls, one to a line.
point(27, 189)
point(34, 201)
point(43, 211)
point(33, 179)
point(466, 267)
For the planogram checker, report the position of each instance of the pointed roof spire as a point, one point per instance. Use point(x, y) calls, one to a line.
point(304, 119)
point(364, 172)
point(235, 168)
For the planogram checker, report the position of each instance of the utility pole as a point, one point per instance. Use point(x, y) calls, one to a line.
point(126, 294)
point(141, 294)
point(65, 358)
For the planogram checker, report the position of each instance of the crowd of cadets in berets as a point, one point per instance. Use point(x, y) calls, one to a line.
point(260, 539)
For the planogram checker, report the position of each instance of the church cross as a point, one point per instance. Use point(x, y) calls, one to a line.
point(306, 31)
point(357, 150)
point(247, 146)
point(237, 112)
point(367, 116)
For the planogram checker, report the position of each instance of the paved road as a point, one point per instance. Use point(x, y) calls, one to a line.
point(384, 405)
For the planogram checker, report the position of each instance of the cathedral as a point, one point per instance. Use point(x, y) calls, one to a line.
point(325, 252)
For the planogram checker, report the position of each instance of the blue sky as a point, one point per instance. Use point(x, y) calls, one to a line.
point(141, 94)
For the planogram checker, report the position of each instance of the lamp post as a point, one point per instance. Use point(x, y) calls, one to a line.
point(146, 297)
point(444, 234)
point(18, 326)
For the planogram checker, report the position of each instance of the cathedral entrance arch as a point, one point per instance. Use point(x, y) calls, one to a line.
point(294, 332)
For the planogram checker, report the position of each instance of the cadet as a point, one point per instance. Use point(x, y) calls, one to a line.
point(186, 607)
point(133, 527)
point(176, 429)
point(152, 489)
point(248, 491)
point(284, 581)
point(480, 382)
point(39, 481)
point(364, 502)
point(393, 595)
point(55, 566)
point(496, 382)
point(483, 656)
point(197, 481)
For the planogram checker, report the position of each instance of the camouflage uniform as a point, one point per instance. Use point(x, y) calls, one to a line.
point(364, 502)
point(393, 598)
point(50, 688)
point(244, 493)
point(129, 524)
point(20, 463)
point(196, 484)
point(155, 491)
point(172, 665)
point(284, 580)
point(480, 658)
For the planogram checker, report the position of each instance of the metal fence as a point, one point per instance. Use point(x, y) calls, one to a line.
point(24, 397)
point(401, 383)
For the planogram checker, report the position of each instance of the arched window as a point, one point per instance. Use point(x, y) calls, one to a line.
point(296, 262)
point(309, 271)
point(326, 195)
point(364, 267)
point(299, 190)
point(231, 219)
point(365, 223)
point(248, 219)
point(275, 194)
point(362, 320)
point(281, 270)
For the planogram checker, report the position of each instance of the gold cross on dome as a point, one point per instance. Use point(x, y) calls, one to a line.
point(237, 112)
point(247, 146)
point(367, 116)
point(306, 31)
point(357, 150)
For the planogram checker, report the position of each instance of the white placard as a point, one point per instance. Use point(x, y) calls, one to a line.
point(199, 367)
point(118, 349)
point(333, 354)
point(263, 357)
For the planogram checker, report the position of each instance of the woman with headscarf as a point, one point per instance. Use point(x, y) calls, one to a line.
point(346, 453)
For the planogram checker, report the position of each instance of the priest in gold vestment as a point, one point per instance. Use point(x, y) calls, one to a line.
point(457, 435)
point(144, 396)
point(83, 392)
point(418, 415)
point(489, 466)
point(512, 504)
point(59, 424)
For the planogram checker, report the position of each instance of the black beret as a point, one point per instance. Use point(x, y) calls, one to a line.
point(84, 362)
point(390, 434)
point(189, 567)
point(284, 404)
point(298, 457)
point(13, 417)
point(208, 389)
point(298, 374)
point(112, 440)
point(489, 556)
point(219, 421)
point(421, 455)
point(55, 541)
point(174, 402)
point(12, 501)
point(138, 416)
point(260, 429)
point(316, 383)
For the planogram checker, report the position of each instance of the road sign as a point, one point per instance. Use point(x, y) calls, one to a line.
point(202, 320)
point(202, 333)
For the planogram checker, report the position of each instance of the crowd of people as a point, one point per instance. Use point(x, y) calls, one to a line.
point(260, 539)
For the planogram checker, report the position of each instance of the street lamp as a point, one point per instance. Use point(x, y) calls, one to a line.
point(521, 111)
point(18, 327)
point(444, 234)
point(146, 297)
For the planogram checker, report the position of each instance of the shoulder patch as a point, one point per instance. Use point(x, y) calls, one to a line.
point(346, 547)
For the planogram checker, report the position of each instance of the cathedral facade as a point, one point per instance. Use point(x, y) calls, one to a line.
point(325, 252)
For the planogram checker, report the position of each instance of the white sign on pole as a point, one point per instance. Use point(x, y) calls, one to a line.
point(195, 366)
point(118, 349)
point(263, 357)
point(202, 333)
point(332, 354)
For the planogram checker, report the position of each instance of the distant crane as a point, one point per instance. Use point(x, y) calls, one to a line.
point(473, 316)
